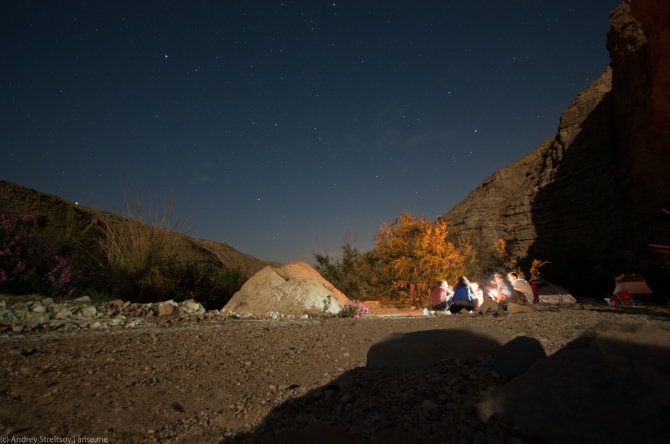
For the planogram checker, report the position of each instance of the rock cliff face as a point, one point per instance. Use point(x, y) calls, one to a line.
point(589, 199)
point(639, 45)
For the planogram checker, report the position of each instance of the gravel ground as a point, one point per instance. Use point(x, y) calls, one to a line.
point(236, 380)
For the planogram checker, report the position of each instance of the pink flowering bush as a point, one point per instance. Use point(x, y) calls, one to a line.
point(29, 264)
point(354, 310)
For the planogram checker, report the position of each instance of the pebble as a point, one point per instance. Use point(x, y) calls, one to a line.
point(89, 312)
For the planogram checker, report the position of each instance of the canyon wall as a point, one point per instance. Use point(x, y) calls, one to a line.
point(589, 199)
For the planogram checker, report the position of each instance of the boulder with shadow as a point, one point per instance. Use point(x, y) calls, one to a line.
point(515, 357)
point(610, 385)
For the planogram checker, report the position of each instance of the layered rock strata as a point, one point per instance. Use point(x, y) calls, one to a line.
point(589, 199)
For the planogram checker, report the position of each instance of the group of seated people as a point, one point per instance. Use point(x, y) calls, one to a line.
point(466, 294)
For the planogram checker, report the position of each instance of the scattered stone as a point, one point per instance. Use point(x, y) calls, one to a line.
point(167, 308)
point(134, 323)
point(47, 301)
point(191, 306)
point(63, 314)
point(89, 312)
point(489, 307)
point(274, 315)
point(7, 316)
point(36, 322)
point(118, 304)
point(513, 307)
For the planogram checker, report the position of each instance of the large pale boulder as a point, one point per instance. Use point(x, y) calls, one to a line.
point(293, 289)
point(610, 385)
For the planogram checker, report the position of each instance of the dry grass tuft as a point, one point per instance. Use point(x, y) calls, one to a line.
point(141, 251)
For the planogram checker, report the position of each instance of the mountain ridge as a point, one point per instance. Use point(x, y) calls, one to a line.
point(17, 200)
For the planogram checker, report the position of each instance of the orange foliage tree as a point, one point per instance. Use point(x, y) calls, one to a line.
point(416, 251)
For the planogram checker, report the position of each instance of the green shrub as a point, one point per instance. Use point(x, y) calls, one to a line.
point(355, 274)
point(209, 285)
point(100, 296)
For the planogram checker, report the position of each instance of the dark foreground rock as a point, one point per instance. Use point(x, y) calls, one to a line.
point(611, 385)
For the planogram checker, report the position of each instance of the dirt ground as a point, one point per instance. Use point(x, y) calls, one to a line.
point(237, 380)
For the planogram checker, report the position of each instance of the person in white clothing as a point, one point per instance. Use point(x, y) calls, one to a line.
point(522, 286)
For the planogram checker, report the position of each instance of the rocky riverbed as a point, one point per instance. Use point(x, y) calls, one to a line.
point(212, 377)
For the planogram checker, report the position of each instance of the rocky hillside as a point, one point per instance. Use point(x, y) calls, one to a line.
point(19, 200)
point(589, 198)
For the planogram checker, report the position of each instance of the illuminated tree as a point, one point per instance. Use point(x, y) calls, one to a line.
point(535, 270)
point(416, 251)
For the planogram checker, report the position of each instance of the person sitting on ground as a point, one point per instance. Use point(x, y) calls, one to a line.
point(479, 295)
point(503, 290)
point(463, 296)
point(522, 286)
point(440, 296)
point(536, 295)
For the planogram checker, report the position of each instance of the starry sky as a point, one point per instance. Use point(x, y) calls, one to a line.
point(279, 122)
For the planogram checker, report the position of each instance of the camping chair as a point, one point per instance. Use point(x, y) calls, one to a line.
point(621, 298)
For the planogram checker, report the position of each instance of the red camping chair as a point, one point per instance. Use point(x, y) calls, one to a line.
point(621, 298)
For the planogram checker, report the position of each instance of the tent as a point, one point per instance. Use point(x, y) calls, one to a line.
point(635, 285)
point(554, 294)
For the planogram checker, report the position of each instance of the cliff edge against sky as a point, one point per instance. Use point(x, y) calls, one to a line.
point(589, 199)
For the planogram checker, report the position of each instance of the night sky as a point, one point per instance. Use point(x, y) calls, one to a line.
point(277, 122)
